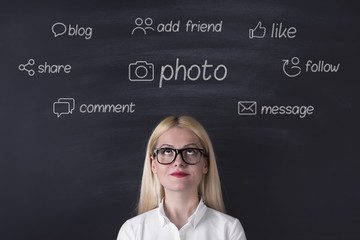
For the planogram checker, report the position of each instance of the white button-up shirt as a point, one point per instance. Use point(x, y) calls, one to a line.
point(204, 224)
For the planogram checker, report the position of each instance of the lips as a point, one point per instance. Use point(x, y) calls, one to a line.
point(179, 174)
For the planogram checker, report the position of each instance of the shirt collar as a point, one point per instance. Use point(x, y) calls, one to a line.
point(194, 219)
point(162, 216)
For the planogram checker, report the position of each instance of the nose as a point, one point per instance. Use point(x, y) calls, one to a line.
point(178, 161)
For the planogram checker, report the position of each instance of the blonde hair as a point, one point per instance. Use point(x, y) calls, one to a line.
point(209, 188)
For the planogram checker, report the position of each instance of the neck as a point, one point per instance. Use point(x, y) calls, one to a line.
point(179, 206)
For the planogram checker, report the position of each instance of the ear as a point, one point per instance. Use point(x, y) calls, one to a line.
point(206, 166)
point(153, 165)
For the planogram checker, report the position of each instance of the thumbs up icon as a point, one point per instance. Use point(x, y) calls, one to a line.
point(257, 32)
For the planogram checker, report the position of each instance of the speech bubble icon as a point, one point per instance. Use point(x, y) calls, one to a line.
point(71, 102)
point(58, 29)
point(60, 108)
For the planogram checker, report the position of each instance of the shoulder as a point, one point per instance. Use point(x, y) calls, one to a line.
point(227, 223)
point(139, 219)
point(217, 215)
point(133, 225)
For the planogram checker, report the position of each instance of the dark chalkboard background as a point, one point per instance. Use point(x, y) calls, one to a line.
point(77, 176)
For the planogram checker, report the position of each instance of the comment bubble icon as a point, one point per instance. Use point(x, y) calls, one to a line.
point(60, 108)
point(58, 29)
point(71, 102)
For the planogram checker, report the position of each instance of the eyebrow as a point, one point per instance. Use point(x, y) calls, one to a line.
point(187, 145)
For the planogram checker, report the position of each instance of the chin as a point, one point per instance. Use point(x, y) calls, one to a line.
point(178, 187)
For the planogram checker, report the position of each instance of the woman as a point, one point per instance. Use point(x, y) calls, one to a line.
point(180, 194)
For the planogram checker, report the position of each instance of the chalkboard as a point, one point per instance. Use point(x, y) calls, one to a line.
point(83, 84)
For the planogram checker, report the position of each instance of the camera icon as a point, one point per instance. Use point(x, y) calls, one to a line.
point(141, 71)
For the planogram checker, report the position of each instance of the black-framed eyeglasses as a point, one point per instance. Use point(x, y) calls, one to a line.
point(167, 156)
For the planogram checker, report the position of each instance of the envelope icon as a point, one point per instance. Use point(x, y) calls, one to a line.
point(247, 107)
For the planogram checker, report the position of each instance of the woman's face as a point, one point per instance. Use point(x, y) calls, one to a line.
point(179, 176)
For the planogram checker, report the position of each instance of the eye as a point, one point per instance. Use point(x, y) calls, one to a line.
point(191, 151)
point(166, 151)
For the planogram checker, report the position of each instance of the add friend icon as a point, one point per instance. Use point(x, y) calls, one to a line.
point(139, 22)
